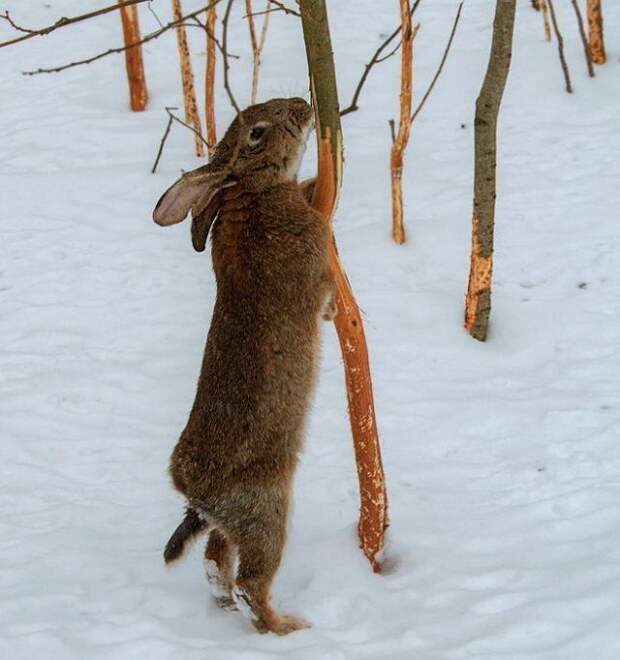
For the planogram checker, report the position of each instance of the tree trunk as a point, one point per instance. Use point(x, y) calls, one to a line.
point(138, 93)
point(478, 303)
point(187, 77)
point(595, 24)
point(210, 81)
point(373, 511)
point(402, 138)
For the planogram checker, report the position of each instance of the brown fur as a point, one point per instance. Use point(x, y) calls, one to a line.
point(236, 458)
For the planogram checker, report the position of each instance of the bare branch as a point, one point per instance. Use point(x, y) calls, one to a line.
point(197, 23)
point(584, 38)
point(556, 29)
point(392, 52)
point(443, 61)
point(280, 6)
point(120, 49)
point(150, 8)
point(352, 107)
point(229, 92)
point(257, 45)
point(61, 22)
point(163, 141)
point(172, 118)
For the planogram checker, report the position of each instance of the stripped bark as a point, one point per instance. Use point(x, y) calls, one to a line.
point(558, 34)
point(374, 506)
point(478, 302)
point(402, 137)
point(210, 81)
point(257, 43)
point(138, 93)
point(584, 38)
point(595, 24)
point(187, 77)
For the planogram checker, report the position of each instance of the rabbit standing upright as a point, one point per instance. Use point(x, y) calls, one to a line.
point(237, 455)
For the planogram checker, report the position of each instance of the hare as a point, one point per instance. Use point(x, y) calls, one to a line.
point(237, 455)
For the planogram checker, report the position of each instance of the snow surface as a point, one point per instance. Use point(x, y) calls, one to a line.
point(502, 458)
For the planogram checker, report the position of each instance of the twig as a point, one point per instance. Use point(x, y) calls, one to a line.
point(584, 38)
point(556, 29)
point(120, 49)
point(196, 22)
point(352, 107)
point(443, 61)
point(392, 125)
point(173, 118)
point(163, 141)
point(61, 22)
point(257, 45)
point(229, 92)
point(150, 8)
point(280, 6)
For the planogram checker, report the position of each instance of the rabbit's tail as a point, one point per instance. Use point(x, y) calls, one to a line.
point(191, 526)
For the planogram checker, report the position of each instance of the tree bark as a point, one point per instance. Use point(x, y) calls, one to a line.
point(402, 138)
point(138, 93)
point(478, 302)
point(373, 510)
point(595, 24)
point(187, 77)
point(210, 81)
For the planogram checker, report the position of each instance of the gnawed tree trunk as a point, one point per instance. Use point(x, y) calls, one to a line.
point(404, 125)
point(373, 510)
point(595, 24)
point(210, 81)
point(478, 303)
point(138, 93)
point(187, 77)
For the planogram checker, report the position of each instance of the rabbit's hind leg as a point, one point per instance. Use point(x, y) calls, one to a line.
point(260, 552)
point(219, 568)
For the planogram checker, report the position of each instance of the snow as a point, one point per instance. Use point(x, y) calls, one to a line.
point(502, 458)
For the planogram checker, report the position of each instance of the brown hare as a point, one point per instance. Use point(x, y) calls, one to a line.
point(237, 455)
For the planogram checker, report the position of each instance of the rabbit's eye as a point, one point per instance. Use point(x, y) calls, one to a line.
point(257, 133)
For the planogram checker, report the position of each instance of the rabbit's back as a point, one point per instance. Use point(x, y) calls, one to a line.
point(259, 366)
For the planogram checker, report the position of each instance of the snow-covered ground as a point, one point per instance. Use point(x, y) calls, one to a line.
point(502, 458)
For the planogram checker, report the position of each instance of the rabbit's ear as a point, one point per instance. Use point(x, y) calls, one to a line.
point(194, 190)
point(202, 221)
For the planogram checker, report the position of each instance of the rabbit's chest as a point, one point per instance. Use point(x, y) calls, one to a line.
point(253, 254)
